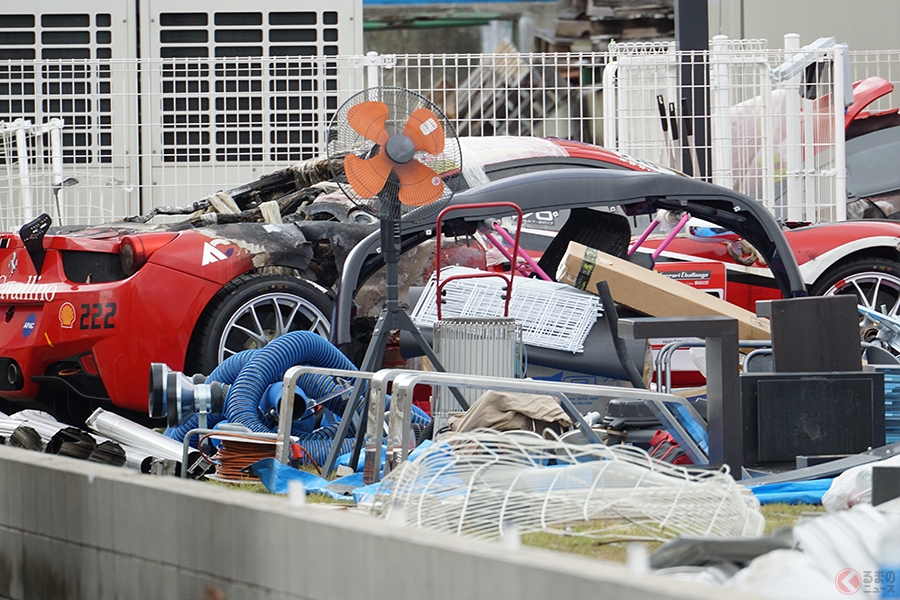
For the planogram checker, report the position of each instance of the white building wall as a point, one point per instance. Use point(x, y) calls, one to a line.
point(862, 24)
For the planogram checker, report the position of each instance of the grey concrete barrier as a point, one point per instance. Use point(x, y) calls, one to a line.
point(70, 529)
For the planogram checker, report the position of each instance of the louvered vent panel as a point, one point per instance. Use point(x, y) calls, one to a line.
point(255, 101)
point(80, 93)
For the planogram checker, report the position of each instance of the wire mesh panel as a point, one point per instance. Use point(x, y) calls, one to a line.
point(226, 94)
point(509, 93)
point(63, 62)
point(772, 132)
point(235, 91)
point(35, 179)
point(552, 315)
point(164, 104)
point(878, 63)
point(646, 78)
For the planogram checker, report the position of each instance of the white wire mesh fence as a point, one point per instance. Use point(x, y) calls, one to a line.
point(144, 133)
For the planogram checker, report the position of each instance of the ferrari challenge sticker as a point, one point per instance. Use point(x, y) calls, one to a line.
point(28, 326)
point(67, 315)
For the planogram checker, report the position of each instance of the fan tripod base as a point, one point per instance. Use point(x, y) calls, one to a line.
point(388, 321)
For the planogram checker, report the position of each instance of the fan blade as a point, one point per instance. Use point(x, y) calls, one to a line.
point(367, 177)
point(419, 185)
point(368, 119)
point(424, 129)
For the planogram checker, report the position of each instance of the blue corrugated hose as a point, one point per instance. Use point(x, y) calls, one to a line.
point(268, 365)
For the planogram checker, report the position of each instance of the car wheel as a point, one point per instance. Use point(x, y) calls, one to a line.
point(874, 281)
point(251, 311)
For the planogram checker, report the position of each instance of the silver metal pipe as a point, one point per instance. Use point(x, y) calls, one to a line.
point(289, 386)
point(123, 431)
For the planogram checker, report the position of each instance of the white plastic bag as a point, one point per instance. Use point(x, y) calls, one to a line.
point(854, 486)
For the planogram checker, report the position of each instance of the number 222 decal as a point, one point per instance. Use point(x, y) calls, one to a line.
point(97, 316)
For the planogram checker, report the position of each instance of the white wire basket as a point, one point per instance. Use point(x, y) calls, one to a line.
point(553, 315)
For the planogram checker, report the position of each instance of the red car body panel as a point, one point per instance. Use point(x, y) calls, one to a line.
point(815, 247)
point(123, 323)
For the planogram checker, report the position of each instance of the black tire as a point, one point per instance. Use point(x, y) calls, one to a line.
point(243, 315)
point(865, 278)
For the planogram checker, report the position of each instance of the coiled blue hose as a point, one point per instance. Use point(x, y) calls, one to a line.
point(269, 364)
point(252, 371)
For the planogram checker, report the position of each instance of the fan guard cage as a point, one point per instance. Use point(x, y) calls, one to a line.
point(476, 484)
point(344, 139)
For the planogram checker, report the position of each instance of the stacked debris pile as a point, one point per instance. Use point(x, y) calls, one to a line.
point(515, 94)
point(590, 25)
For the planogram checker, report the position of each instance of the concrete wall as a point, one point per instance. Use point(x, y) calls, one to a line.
point(72, 529)
point(862, 24)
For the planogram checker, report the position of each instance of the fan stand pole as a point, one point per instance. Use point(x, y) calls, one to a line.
point(392, 317)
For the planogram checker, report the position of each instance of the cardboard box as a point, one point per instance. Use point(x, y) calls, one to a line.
point(649, 292)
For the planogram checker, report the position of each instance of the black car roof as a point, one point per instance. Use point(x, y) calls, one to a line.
point(636, 192)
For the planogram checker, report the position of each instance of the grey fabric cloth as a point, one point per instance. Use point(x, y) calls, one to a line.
point(508, 411)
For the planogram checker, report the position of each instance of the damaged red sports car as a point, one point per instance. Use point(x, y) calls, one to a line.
point(86, 310)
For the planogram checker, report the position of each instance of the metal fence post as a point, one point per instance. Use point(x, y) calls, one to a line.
point(840, 149)
point(22, 160)
point(792, 142)
point(721, 142)
point(372, 63)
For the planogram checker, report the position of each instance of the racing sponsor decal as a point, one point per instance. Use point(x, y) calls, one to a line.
point(28, 326)
point(13, 263)
point(29, 291)
point(211, 252)
point(683, 274)
point(97, 316)
point(67, 315)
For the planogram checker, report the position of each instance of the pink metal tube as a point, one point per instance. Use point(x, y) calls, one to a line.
point(509, 240)
point(671, 236)
point(643, 237)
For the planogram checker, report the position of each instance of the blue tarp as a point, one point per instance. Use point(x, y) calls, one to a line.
point(276, 476)
point(796, 492)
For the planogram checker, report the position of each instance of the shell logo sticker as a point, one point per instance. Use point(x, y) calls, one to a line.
point(67, 315)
